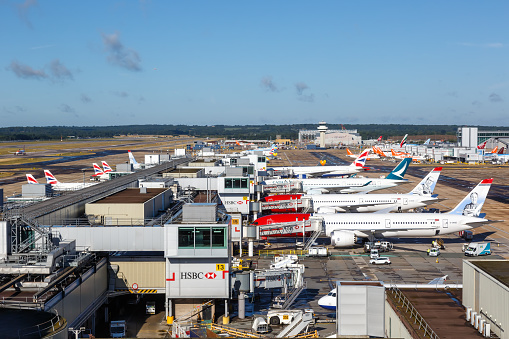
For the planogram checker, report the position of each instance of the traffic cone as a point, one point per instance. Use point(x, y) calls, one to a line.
point(436, 261)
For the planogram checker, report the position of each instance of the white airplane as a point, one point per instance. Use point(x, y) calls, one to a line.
point(60, 186)
point(351, 155)
point(344, 229)
point(420, 196)
point(31, 179)
point(101, 174)
point(346, 185)
point(354, 185)
point(329, 301)
point(317, 171)
point(133, 161)
point(267, 151)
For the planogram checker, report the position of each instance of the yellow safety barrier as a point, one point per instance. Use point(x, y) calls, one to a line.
point(281, 252)
point(169, 320)
point(235, 332)
point(313, 334)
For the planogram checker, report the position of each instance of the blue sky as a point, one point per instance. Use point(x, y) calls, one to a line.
point(86, 63)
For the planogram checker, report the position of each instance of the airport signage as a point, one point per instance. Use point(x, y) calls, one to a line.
point(202, 278)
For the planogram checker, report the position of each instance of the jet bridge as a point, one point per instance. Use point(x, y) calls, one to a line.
point(291, 228)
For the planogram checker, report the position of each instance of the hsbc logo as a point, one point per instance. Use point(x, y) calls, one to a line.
point(210, 275)
point(234, 202)
point(197, 275)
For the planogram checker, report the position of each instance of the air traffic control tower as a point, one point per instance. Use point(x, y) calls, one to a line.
point(322, 128)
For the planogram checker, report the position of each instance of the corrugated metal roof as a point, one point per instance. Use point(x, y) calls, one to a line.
point(498, 269)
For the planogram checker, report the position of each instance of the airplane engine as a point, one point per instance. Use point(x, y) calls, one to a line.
point(326, 210)
point(343, 238)
point(314, 191)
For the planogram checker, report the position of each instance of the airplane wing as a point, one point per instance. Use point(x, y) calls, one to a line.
point(386, 210)
point(482, 222)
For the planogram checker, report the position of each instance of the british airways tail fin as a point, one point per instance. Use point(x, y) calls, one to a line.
point(361, 159)
point(471, 205)
point(399, 171)
point(50, 178)
point(31, 179)
point(403, 141)
point(427, 185)
point(106, 167)
point(132, 161)
point(97, 170)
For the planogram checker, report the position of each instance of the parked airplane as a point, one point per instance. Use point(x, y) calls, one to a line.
point(427, 142)
point(402, 155)
point(482, 145)
point(106, 167)
point(345, 229)
point(31, 179)
point(267, 151)
point(351, 155)
point(324, 171)
point(403, 141)
point(420, 196)
point(133, 161)
point(60, 186)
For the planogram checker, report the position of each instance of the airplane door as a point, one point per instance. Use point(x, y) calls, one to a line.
point(387, 223)
point(433, 223)
point(361, 200)
point(405, 201)
point(445, 223)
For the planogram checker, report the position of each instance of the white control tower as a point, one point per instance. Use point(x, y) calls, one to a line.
point(322, 129)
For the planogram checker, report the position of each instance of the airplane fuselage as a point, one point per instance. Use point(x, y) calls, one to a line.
point(397, 224)
point(370, 202)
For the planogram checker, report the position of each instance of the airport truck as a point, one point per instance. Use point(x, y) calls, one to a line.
point(118, 329)
point(476, 249)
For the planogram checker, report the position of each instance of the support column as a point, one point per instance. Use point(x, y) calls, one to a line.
point(251, 248)
point(242, 306)
point(226, 318)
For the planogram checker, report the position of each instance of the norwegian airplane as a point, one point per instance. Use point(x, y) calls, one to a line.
point(133, 161)
point(420, 196)
point(60, 186)
point(325, 171)
point(345, 229)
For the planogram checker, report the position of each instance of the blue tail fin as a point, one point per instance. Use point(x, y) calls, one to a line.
point(399, 171)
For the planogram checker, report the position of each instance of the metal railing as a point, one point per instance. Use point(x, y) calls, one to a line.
point(45, 329)
point(409, 309)
point(267, 253)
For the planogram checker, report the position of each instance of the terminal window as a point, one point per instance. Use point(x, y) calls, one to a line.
point(202, 237)
point(186, 237)
point(236, 183)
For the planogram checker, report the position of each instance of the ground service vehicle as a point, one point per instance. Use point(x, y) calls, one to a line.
point(480, 248)
point(380, 261)
point(434, 252)
point(118, 329)
point(150, 307)
point(374, 254)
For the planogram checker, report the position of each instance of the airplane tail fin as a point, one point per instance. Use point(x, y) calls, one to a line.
point(97, 170)
point(349, 152)
point(133, 161)
point(31, 179)
point(393, 153)
point(427, 142)
point(427, 185)
point(361, 159)
point(106, 167)
point(501, 151)
point(378, 151)
point(399, 171)
point(471, 205)
point(50, 178)
point(403, 141)
point(379, 138)
point(482, 145)
point(494, 151)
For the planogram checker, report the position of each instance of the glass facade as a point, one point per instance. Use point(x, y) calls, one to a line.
point(236, 183)
point(202, 237)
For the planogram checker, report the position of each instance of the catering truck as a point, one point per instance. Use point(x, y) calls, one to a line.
point(479, 248)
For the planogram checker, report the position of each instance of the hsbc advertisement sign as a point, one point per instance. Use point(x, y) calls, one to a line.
point(198, 280)
point(235, 203)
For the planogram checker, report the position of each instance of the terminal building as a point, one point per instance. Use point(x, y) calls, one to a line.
point(332, 137)
point(473, 136)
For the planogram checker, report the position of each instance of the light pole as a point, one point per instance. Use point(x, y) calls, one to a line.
point(77, 331)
